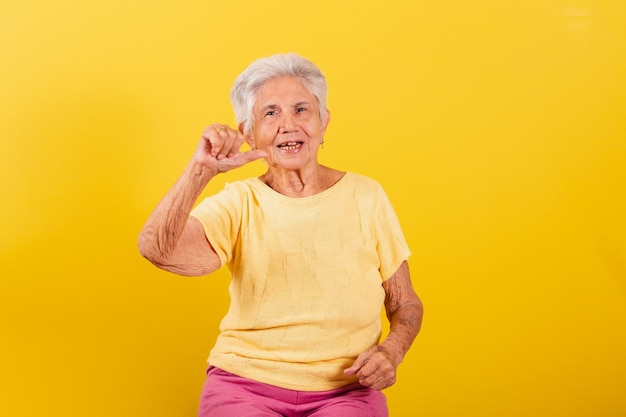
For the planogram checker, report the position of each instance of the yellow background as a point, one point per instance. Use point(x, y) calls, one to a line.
point(498, 129)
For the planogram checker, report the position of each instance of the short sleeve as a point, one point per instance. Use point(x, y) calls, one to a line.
point(390, 241)
point(220, 216)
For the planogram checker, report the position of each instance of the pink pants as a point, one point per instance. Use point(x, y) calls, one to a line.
point(228, 395)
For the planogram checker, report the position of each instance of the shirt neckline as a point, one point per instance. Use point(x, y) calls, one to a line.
point(266, 189)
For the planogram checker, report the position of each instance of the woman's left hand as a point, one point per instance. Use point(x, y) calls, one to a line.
point(375, 368)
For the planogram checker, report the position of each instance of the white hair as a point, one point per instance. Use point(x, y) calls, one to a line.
point(248, 83)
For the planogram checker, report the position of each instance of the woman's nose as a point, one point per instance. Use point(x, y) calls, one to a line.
point(287, 122)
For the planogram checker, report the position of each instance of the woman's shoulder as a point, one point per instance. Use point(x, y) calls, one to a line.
point(234, 191)
point(245, 185)
point(363, 181)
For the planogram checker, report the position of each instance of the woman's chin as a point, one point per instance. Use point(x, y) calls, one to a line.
point(292, 162)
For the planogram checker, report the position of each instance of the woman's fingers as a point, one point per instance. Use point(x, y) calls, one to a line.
point(223, 140)
point(220, 148)
point(374, 369)
point(230, 140)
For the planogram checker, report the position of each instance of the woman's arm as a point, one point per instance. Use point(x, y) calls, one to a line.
point(376, 368)
point(404, 311)
point(171, 239)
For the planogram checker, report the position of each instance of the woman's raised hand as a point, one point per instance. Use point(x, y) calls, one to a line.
point(219, 149)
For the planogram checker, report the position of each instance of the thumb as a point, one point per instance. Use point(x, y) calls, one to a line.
point(241, 158)
point(358, 364)
point(252, 155)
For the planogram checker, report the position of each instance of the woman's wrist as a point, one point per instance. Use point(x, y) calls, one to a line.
point(199, 173)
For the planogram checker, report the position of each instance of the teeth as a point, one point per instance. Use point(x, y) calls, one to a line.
point(289, 146)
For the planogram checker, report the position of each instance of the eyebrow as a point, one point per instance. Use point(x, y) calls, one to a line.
point(275, 106)
point(268, 107)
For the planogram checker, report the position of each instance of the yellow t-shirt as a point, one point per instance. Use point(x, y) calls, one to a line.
point(306, 293)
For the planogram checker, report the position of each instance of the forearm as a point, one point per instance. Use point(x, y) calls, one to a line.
point(376, 368)
point(163, 229)
point(404, 310)
point(405, 324)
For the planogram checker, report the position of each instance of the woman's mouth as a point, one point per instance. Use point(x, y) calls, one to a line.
point(290, 146)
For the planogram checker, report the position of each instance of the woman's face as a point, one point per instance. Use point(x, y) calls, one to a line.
point(286, 124)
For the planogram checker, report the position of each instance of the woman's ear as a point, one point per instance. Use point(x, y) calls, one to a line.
point(325, 121)
point(247, 136)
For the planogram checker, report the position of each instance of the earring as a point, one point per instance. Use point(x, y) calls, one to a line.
point(322, 143)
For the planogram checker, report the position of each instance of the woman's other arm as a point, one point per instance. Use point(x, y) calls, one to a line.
point(376, 368)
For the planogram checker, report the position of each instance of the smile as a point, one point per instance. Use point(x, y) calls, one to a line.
point(290, 146)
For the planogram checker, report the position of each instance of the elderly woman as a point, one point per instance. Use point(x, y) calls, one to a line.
point(314, 254)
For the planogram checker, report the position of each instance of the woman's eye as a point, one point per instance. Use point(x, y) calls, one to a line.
point(301, 109)
point(271, 113)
